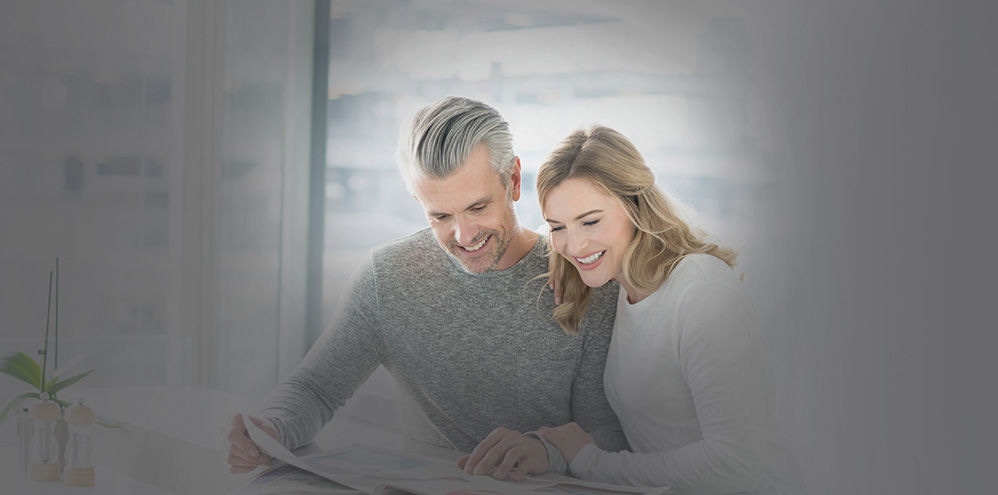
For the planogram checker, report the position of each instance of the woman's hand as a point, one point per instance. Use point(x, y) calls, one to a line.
point(568, 439)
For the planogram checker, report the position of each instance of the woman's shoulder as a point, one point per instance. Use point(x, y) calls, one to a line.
point(701, 267)
point(705, 281)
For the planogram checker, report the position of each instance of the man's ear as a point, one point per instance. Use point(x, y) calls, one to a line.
point(515, 180)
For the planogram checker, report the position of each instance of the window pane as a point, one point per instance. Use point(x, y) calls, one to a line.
point(675, 78)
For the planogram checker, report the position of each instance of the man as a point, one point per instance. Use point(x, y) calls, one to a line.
point(456, 314)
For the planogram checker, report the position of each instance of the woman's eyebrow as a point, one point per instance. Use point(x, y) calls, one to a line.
point(590, 212)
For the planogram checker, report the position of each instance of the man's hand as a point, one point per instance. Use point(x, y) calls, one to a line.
point(568, 439)
point(555, 286)
point(244, 455)
point(506, 452)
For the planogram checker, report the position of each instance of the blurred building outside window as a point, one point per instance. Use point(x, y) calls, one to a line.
point(676, 79)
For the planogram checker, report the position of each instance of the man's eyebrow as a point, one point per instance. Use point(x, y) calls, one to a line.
point(480, 201)
point(590, 212)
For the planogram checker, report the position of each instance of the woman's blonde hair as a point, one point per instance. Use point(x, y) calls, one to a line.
point(611, 162)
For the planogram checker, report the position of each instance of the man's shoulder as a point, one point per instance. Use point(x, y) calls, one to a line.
point(602, 311)
point(605, 296)
point(418, 244)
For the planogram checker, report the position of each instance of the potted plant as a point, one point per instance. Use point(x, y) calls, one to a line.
point(23, 367)
point(27, 369)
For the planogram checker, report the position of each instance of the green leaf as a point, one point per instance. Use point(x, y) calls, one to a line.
point(22, 367)
point(108, 423)
point(55, 384)
point(15, 401)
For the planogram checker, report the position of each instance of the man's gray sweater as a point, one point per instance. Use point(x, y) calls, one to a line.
point(472, 351)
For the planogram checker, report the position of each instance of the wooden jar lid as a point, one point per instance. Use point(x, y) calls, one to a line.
point(45, 410)
point(80, 414)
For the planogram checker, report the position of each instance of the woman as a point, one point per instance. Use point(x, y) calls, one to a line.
point(681, 372)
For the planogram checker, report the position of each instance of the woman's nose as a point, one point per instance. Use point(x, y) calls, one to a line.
point(576, 244)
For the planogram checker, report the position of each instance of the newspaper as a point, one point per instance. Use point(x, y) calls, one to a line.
point(363, 469)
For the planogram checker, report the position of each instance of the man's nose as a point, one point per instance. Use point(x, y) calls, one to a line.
point(465, 231)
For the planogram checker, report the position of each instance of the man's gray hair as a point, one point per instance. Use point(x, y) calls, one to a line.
point(440, 136)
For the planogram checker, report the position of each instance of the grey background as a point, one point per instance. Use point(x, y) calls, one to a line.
point(891, 118)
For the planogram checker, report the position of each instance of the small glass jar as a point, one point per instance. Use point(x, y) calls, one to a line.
point(79, 469)
point(25, 426)
point(44, 455)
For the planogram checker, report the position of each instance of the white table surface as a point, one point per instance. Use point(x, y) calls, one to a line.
point(172, 441)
